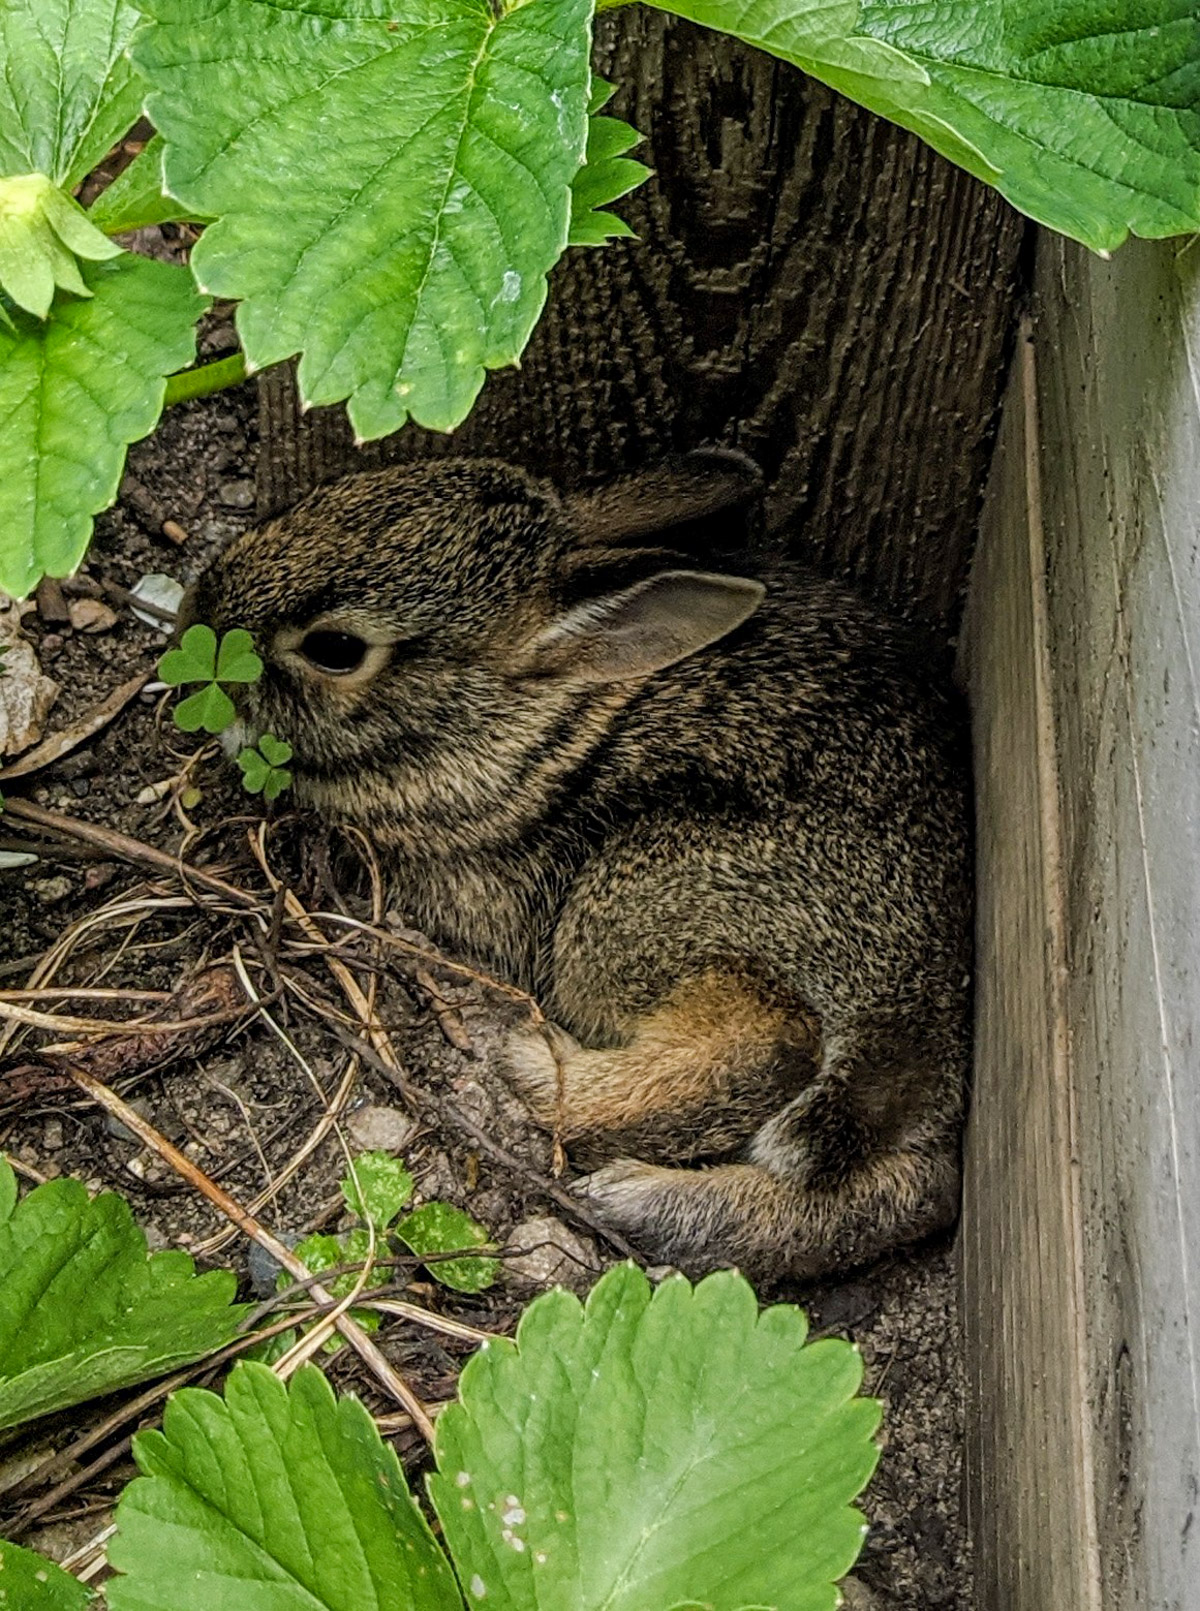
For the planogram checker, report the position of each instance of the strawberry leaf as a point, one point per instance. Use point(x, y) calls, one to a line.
point(275, 1498)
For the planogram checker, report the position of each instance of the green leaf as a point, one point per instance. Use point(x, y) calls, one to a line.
point(209, 708)
point(259, 776)
point(1086, 116)
point(379, 1187)
point(276, 750)
point(68, 91)
point(656, 1450)
point(441, 1228)
point(136, 196)
point(8, 1190)
point(193, 660)
point(74, 391)
point(408, 256)
point(272, 1500)
point(42, 232)
point(606, 176)
point(84, 1311)
point(29, 1582)
point(236, 659)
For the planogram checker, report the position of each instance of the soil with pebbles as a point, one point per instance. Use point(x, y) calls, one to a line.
point(243, 1109)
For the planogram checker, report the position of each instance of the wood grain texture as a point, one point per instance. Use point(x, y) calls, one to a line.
point(1118, 1153)
point(810, 283)
point(1120, 404)
point(1028, 1450)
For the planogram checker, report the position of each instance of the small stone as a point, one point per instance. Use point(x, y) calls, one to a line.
point(118, 1128)
point(380, 1129)
point(263, 1269)
point(236, 494)
point(80, 786)
point(51, 645)
point(99, 876)
point(90, 615)
point(156, 1239)
point(52, 1135)
point(547, 1252)
point(50, 890)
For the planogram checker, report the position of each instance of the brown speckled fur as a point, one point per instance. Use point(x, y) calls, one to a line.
point(739, 880)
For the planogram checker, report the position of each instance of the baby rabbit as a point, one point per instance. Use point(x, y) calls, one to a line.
point(717, 823)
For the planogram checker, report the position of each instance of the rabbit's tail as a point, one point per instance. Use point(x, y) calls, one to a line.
point(822, 1190)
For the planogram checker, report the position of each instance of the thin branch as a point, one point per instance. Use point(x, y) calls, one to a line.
point(358, 1339)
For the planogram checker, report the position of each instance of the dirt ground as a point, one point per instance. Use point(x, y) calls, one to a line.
point(244, 1108)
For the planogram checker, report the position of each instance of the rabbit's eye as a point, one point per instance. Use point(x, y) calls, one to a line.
point(333, 651)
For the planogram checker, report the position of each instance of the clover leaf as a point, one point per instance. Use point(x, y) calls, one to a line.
point(263, 768)
point(199, 659)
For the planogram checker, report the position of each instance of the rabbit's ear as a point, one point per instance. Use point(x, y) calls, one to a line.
point(642, 628)
point(675, 493)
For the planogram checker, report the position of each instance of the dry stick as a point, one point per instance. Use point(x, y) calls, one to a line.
point(183, 1166)
point(449, 1019)
point(86, 993)
point(128, 849)
point(376, 1034)
point(103, 1028)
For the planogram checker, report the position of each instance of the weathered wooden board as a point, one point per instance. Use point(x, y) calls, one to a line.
point(1081, 1240)
point(811, 284)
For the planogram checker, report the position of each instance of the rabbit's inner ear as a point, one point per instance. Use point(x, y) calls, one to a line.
point(642, 629)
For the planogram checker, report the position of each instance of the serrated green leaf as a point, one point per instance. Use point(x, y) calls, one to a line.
point(8, 1189)
point(655, 1451)
point(42, 231)
point(272, 1500)
point(236, 659)
point(136, 196)
point(68, 91)
point(209, 708)
point(1086, 117)
point(442, 1228)
point(606, 176)
point(409, 256)
point(84, 1311)
point(378, 1189)
point(75, 390)
point(193, 660)
point(29, 1582)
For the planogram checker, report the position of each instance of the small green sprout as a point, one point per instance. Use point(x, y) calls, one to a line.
point(198, 659)
point(377, 1189)
point(264, 769)
point(380, 1186)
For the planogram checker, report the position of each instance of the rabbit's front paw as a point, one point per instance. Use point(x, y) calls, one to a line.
point(533, 1063)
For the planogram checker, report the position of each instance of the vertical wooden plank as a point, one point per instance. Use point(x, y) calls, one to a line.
point(1121, 419)
point(1028, 1434)
point(1081, 1237)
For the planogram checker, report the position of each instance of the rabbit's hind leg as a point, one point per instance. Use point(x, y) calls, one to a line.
point(821, 1192)
point(696, 1078)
